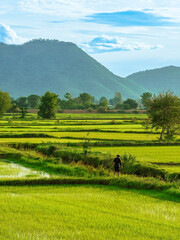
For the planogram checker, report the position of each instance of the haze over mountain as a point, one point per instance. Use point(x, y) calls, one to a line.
point(60, 67)
point(156, 80)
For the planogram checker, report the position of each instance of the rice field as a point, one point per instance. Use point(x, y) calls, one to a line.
point(152, 154)
point(74, 128)
point(90, 211)
point(87, 212)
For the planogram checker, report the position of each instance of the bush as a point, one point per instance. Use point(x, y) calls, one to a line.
point(90, 110)
point(128, 160)
point(126, 106)
point(102, 109)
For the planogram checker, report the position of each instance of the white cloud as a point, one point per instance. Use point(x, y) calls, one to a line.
point(71, 9)
point(110, 44)
point(9, 36)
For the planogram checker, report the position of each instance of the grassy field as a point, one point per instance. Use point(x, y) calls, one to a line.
point(87, 212)
point(157, 154)
point(74, 128)
point(51, 151)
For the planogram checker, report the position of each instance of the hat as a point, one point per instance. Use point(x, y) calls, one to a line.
point(118, 155)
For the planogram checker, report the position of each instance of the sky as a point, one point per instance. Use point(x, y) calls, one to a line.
point(126, 36)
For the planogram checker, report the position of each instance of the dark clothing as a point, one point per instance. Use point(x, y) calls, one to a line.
point(117, 164)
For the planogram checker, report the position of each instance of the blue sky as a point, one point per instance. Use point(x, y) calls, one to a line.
point(125, 36)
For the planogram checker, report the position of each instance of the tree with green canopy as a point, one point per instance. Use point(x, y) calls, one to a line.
point(104, 103)
point(33, 101)
point(146, 99)
point(22, 102)
point(102, 99)
point(48, 105)
point(85, 99)
point(132, 103)
point(5, 102)
point(117, 99)
point(164, 112)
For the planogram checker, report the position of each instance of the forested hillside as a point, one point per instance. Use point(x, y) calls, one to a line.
point(49, 65)
point(60, 67)
point(156, 80)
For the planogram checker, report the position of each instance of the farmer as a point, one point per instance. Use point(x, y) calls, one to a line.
point(117, 165)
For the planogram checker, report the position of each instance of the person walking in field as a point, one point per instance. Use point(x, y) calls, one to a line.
point(117, 165)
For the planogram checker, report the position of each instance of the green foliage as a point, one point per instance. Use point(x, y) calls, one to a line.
point(68, 96)
point(33, 101)
point(90, 110)
point(86, 144)
point(85, 99)
point(48, 105)
point(116, 100)
point(14, 109)
point(128, 160)
point(103, 99)
point(104, 103)
point(146, 99)
point(131, 102)
point(5, 102)
point(23, 112)
point(101, 109)
point(22, 102)
point(164, 112)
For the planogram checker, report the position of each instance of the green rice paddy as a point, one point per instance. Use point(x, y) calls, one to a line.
point(88, 212)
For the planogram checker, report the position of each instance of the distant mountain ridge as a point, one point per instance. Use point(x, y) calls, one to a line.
point(60, 67)
point(156, 80)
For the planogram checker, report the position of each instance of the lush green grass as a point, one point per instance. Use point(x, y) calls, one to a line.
point(89, 211)
point(107, 136)
point(36, 140)
point(100, 116)
point(86, 212)
point(157, 154)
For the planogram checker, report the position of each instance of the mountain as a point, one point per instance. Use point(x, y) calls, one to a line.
point(156, 80)
point(49, 65)
point(60, 67)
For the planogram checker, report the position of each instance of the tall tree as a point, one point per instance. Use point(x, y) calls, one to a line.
point(164, 112)
point(146, 99)
point(117, 99)
point(33, 101)
point(104, 103)
point(48, 105)
point(68, 96)
point(22, 102)
point(5, 102)
point(103, 99)
point(85, 98)
point(131, 102)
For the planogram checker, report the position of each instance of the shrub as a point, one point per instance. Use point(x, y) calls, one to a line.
point(101, 109)
point(90, 110)
point(86, 146)
point(128, 160)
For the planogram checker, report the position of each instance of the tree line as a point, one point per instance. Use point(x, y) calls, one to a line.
point(83, 102)
point(163, 110)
